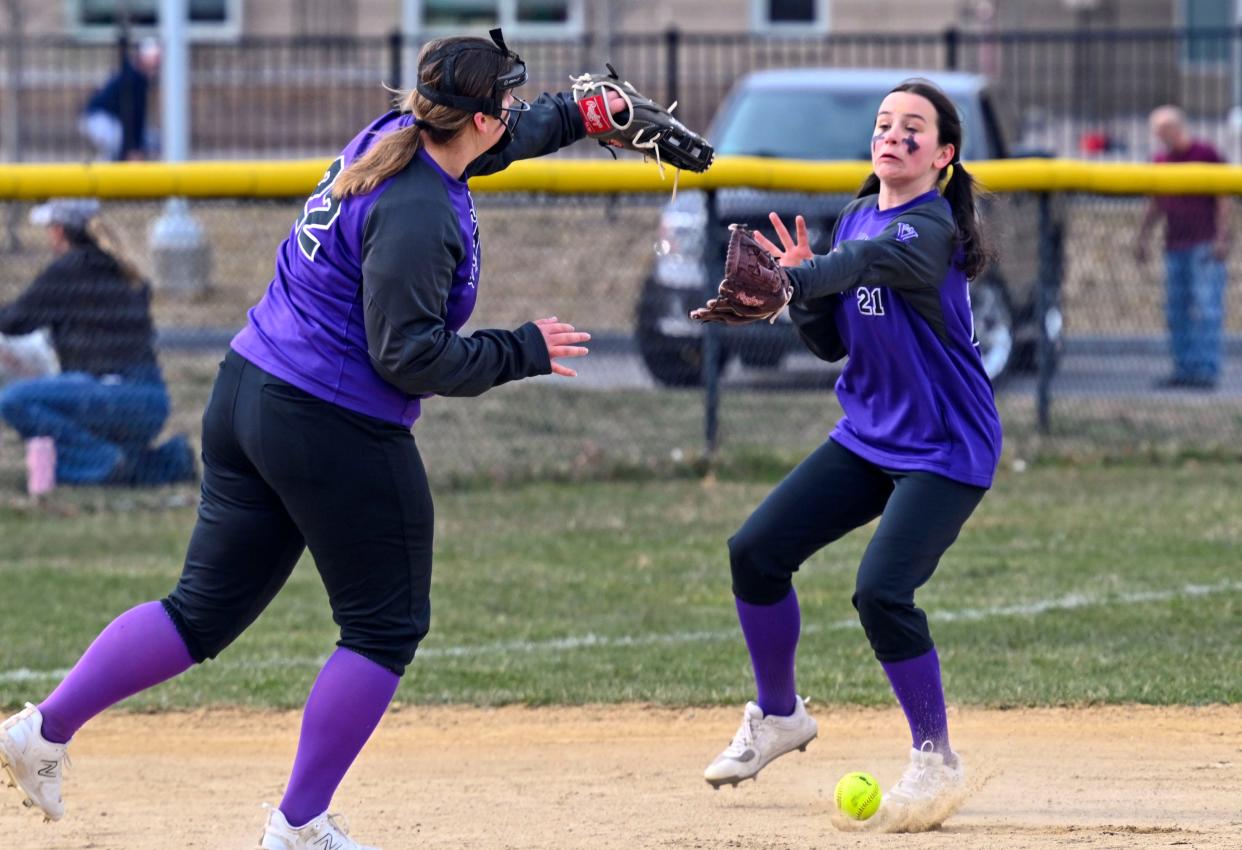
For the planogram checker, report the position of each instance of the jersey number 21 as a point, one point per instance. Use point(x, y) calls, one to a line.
point(870, 301)
point(320, 211)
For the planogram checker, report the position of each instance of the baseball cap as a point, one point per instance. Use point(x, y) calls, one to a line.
point(73, 213)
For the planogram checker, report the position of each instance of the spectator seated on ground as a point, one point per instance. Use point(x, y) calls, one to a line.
point(108, 401)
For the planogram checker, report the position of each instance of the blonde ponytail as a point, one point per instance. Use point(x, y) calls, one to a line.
point(107, 240)
point(388, 156)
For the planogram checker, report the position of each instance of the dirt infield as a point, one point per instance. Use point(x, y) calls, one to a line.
point(629, 777)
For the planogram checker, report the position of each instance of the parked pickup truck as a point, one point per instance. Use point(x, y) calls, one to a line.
point(828, 114)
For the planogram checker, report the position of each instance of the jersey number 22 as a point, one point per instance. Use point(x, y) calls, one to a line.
point(320, 211)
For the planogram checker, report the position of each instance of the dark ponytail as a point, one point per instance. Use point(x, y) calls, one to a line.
point(870, 186)
point(960, 190)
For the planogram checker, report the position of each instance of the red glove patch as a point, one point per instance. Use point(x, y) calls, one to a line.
point(595, 116)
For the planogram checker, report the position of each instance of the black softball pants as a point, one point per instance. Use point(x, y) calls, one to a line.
point(283, 471)
point(833, 492)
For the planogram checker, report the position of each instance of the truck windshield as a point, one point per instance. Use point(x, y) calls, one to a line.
point(804, 124)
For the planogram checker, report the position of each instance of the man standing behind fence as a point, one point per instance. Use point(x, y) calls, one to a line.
point(1196, 242)
point(114, 120)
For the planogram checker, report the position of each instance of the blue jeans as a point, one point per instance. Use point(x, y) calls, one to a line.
point(1195, 309)
point(96, 424)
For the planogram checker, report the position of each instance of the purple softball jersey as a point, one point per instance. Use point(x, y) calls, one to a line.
point(309, 327)
point(914, 391)
point(370, 291)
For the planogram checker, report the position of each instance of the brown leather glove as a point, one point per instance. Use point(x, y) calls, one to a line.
point(754, 287)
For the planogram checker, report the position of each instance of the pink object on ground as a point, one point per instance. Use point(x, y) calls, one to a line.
point(40, 465)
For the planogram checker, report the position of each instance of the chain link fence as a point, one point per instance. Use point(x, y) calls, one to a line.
point(639, 406)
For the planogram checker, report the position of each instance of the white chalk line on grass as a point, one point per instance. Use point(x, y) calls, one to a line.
point(1069, 602)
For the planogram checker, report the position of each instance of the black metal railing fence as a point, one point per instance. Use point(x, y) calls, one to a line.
point(1072, 92)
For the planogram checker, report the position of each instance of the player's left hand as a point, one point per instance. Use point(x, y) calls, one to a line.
point(792, 252)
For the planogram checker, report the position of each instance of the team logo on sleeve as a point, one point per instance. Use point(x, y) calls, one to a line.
point(905, 232)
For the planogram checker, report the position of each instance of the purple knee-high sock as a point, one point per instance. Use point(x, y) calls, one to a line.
point(138, 649)
point(916, 682)
point(771, 633)
point(342, 711)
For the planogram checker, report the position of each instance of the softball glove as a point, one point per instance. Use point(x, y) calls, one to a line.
point(644, 125)
point(754, 287)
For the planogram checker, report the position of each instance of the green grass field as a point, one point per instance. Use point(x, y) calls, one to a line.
point(1070, 585)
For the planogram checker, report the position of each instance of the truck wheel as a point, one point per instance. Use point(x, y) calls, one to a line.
point(674, 361)
point(989, 304)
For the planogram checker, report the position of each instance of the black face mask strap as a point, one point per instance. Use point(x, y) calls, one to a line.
point(485, 105)
point(447, 96)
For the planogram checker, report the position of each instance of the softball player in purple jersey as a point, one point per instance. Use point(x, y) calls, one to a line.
point(306, 437)
point(917, 446)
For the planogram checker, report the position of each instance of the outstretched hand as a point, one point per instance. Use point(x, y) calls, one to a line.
point(792, 252)
point(561, 338)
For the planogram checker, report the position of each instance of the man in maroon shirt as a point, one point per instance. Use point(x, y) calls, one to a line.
point(1196, 242)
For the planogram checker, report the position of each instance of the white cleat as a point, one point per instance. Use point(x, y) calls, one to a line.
point(928, 792)
point(759, 740)
point(33, 765)
point(322, 833)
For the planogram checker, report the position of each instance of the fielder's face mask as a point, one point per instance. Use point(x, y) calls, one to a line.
point(494, 103)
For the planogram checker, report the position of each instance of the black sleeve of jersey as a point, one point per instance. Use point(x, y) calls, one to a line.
point(407, 274)
point(894, 258)
point(41, 305)
point(818, 330)
point(552, 122)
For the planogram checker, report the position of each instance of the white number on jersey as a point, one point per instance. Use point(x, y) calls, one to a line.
point(870, 300)
point(320, 211)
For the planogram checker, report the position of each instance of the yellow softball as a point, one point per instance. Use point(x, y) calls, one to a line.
point(858, 795)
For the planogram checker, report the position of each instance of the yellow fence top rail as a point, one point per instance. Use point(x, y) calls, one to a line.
point(294, 178)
